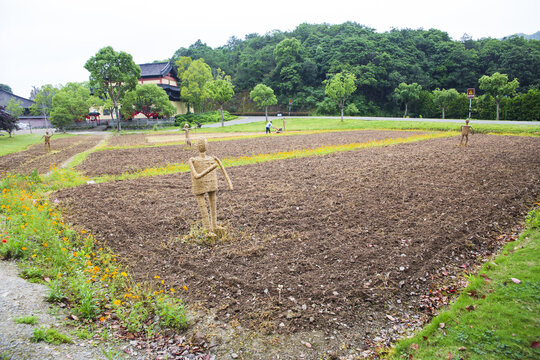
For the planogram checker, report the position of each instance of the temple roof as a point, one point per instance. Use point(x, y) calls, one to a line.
point(6, 96)
point(157, 69)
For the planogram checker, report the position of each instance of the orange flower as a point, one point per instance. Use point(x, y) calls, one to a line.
point(185, 287)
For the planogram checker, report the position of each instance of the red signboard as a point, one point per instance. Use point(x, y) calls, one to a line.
point(470, 93)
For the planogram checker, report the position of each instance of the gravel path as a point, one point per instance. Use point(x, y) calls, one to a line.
point(19, 297)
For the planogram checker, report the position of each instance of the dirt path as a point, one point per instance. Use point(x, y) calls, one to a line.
point(19, 297)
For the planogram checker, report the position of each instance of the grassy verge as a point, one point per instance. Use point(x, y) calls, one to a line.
point(77, 271)
point(16, 143)
point(497, 316)
point(299, 124)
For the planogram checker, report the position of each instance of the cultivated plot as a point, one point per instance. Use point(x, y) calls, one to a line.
point(118, 161)
point(38, 158)
point(332, 243)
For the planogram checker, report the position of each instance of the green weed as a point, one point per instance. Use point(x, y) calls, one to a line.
point(30, 320)
point(50, 336)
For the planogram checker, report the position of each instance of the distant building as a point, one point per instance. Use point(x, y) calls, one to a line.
point(26, 118)
point(164, 75)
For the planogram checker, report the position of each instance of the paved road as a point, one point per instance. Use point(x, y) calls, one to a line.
point(250, 119)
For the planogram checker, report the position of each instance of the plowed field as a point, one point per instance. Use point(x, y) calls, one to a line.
point(36, 157)
point(351, 237)
point(115, 162)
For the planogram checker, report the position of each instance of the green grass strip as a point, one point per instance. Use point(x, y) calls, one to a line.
point(301, 124)
point(245, 160)
point(497, 316)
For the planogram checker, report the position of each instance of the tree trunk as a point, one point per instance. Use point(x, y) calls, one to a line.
point(342, 113)
point(497, 102)
point(266, 112)
point(405, 115)
point(222, 120)
point(341, 105)
point(443, 112)
point(119, 126)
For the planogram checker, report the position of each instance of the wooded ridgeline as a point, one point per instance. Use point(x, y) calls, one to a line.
point(296, 63)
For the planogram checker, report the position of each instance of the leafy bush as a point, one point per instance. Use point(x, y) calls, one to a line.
point(207, 117)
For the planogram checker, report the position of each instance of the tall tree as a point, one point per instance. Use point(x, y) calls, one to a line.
point(263, 96)
point(148, 99)
point(407, 93)
point(497, 85)
point(221, 91)
point(194, 81)
point(112, 74)
point(43, 101)
point(14, 107)
point(6, 88)
point(7, 122)
point(339, 87)
point(444, 98)
point(70, 104)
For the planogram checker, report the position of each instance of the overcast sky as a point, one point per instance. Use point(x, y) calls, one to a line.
point(48, 41)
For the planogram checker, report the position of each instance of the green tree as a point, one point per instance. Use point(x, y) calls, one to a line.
point(112, 74)
point(288, 55)
point(6, 88)
point(182, 65)
point(15, 108)
point(339, 87)
point(444, 98)
point(70, 104)
point(7, 122)
point(43, 101)
point(263, 96)
point(148, 99)
point(407, 93)
point(193, 83)
point(221, 91)
point(497, 86)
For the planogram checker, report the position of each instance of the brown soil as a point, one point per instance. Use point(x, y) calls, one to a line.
point(36, 157)
point(164, 138)
point(115, 162)
point(351, 236)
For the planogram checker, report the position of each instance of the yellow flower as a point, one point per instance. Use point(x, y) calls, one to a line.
point(117, 302)
point(123, 273)
point(83, 231)
point(157, 277)
point(163, 281)
point(172, 290)
point(185, 287)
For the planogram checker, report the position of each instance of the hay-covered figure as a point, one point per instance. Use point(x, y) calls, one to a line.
point(465, 129)
point(204, 181)
point(186, 129)
point(47, 138)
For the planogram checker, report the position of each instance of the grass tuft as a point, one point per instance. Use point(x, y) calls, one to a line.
point(50, 336)
point(29, 320)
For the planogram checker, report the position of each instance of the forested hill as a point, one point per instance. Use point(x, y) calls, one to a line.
point(296, 63)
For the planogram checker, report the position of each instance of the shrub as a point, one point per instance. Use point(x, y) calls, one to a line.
point(207, 117)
